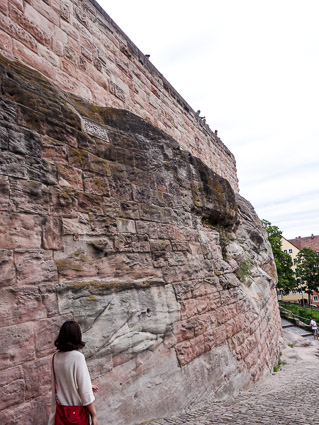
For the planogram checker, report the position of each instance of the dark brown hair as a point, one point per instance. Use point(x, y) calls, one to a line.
point(70, 337)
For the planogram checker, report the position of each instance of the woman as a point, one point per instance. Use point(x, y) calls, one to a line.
point(72, 379)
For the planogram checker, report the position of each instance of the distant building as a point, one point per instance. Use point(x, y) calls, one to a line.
point(292, 247)
point(313, 243)
point(296, 295)
point(306, 242)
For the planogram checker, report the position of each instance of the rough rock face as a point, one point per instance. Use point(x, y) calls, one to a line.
point(105, 219)
point(82, 50)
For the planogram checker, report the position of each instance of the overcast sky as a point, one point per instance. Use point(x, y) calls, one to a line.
point(252, 68)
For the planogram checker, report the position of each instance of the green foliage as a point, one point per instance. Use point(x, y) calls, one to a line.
point(304, 312)
point(283, 261)
point(307, 269)
point(277, 367)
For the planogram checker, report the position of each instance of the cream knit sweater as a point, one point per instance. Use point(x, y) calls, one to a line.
point(72, 379)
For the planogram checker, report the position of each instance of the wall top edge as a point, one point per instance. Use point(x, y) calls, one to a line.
point(153, 70)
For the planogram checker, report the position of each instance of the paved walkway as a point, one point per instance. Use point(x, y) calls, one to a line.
point(288, 397)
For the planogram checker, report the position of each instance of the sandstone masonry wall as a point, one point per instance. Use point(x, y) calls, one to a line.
point(106, 220)
point(78, 46)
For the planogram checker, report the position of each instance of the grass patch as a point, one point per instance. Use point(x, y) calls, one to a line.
point(278, 366)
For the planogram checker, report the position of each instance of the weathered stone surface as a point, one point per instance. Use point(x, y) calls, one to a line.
point(37, 379)
point(7, 268)
point(20, 231)
point(16, 345)
point(18, 305)
point(130, 321)
point(168, 271)
point(29, 413)
point(11, 387)
point(52, 233)
point(34, 267)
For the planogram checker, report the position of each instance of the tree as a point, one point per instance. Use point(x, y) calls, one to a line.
point(283, 261)
point(307, 270)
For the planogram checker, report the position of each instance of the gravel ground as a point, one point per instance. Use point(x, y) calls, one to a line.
point(285, 397)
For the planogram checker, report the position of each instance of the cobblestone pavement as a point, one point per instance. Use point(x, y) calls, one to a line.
point(288, 397)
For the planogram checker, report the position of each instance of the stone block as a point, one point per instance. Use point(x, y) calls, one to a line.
point(77, 226)
point(177, 259)
point(65, 11)
point(160, 245)
point(4, 7)
point(49, 55)
point(43, 13)
point(32, 59)
point(70, 30)
point(24, 143)
point(71, 55)
point(8, 111)
point(37, 378)
point(29, 196)
point(27, 413)
point(33, 24)
point(12, 387)
point(18, 305)
point(142, 194)
point(17, 32)
point(20, 231)
point(166, 231)
point(102, 225)
point(16, 345)
point(90, 203)
point(96, 185)
point(4, 193)
point(19, 4)
point(147, 227)
point(187, 351)
point(54, 151)
point(70, 177)
point(126, 226)
point(132, 243)
point(52, 233)
point(64, 202)
point(151, 213)
point(57, 48)
point(5, 42)
point(34, 267)
point(7, 268)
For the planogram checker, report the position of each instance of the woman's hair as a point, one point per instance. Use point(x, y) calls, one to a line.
point(70, 337)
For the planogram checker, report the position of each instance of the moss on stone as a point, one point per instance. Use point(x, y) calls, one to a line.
point(244, 269)
point(67, 265)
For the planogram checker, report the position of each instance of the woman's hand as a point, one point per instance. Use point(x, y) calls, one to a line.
point(95, 388)
point(94, 420)
point(92, 411)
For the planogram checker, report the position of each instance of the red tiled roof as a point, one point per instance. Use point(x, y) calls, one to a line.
point(306, 242)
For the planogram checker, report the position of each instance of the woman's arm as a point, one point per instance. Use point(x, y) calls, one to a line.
point(92, 411)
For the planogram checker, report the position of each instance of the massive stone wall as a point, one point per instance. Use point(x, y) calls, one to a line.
point(78, 46)
point(105, 219)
